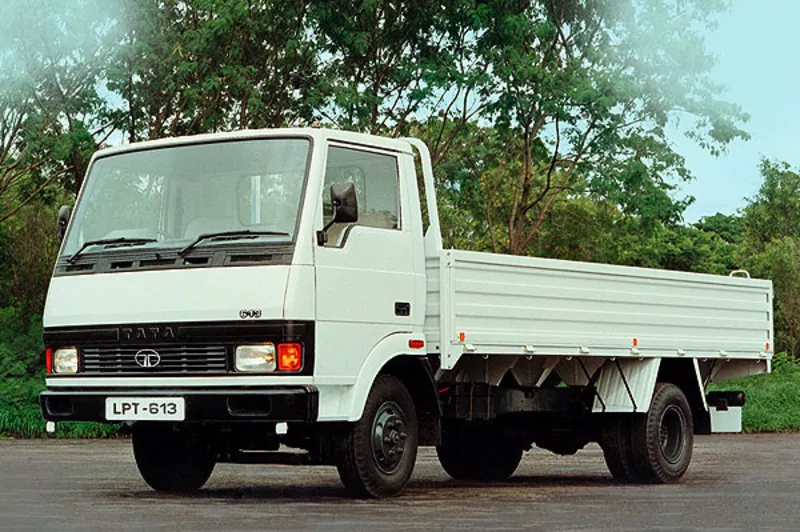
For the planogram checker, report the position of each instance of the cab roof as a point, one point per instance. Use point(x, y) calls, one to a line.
point(318, 135)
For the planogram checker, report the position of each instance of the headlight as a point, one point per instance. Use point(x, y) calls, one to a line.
point(65, 360)
point(255, 357)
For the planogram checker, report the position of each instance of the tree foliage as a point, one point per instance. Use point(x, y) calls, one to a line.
point(582, 93)
point(775, 211)
point(548, 121)
point(772, 239)
point(203, 66)
point(52, 113)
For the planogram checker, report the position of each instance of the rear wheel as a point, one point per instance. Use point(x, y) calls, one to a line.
point(655, 447)
point(380, 449)
point(173, 459)
point(483, 454)
point(617, 445)
point(663, 440)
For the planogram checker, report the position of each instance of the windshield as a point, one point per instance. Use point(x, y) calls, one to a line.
point(168, 197)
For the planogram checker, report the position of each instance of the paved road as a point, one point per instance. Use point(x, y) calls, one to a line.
point(735, 483)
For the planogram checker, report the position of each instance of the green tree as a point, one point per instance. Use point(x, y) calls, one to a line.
point(775, 211)
point(393, 67)
point(675, 247)
point(212, 65)
point(582, 94)
point(51, 114)
point(771, 223)
point(778, 261)
point(729, 227)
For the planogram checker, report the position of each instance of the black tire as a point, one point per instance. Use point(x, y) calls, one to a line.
point(663, 439)
point(380, 450)
point(483, 455)
point(175, 460)
point(617, 444)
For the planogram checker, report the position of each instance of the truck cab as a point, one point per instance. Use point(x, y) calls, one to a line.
point(186, 289)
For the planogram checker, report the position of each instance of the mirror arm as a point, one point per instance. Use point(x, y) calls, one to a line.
point(322, 235)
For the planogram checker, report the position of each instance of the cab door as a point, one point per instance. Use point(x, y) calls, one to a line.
point(366, 274)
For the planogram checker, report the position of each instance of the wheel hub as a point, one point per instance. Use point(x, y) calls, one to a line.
point(671, 433)
point(389, 436)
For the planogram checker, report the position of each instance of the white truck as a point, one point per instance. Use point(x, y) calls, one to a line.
point(278, 296)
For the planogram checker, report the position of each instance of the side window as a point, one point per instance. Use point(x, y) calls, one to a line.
point(376, 181)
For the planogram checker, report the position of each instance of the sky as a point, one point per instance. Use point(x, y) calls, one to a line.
point(757, 45)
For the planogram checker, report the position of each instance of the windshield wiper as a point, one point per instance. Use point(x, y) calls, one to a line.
point(228, 235)
point(121, 241)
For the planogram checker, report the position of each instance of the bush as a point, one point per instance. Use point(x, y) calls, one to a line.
point(20, 416)
point(22, 379)
point(21, 348)
point(773, 400)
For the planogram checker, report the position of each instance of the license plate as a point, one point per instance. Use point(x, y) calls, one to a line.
point(145, 408)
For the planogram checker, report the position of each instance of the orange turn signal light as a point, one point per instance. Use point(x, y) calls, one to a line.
point(48, 353)
point(290, 357)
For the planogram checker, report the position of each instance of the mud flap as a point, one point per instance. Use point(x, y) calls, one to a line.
point(626, 385)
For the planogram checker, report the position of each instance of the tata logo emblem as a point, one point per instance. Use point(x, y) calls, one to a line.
point(147, 358)
point(249, 313)
point(147, 333)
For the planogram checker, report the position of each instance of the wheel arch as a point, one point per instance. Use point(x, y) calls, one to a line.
point(390, 357)
point(416, 373)
point(685, 374)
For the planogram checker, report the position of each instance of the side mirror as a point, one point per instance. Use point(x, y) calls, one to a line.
point(63, 219)
point(345, 208)
point(345, 203)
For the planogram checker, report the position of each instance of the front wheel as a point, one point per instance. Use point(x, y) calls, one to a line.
point(173, 459)
point(381, 448)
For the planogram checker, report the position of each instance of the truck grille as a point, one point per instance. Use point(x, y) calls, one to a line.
point(181, 359)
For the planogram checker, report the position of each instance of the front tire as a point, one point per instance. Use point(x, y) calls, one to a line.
point(380, 450)
point(175, 460)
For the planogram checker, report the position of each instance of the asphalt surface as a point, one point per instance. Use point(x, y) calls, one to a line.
point(739, 482)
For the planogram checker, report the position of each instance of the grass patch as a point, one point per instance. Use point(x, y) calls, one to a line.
point(20, 416)
point(773, 400)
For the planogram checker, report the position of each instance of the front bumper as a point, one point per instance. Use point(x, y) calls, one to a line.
point(290, 404)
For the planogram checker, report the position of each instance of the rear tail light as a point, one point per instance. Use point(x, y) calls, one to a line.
point(290, 357)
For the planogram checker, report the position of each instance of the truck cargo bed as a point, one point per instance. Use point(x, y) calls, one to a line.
point(482, 303)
